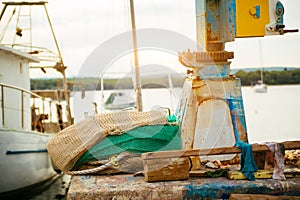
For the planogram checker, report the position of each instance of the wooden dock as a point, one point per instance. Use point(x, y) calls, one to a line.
point(195, 185)
point(130, 187)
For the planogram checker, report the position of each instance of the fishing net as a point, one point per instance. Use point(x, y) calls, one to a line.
point(67, 146)
point(139, 140)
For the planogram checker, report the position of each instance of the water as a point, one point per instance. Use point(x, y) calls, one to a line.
point(271, 116)
point(55, 189)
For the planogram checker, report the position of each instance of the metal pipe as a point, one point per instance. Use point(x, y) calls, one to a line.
point(24, 3)
point(50, 110)
point(136, 61)
point(63, 72)
point(52, 31)
point(33, 95)
point(30, 30)
point(43, 106)
point(2, 105)
point(7, 24)
point(3, 10)
point(22, 108)
point(201, 24)
point(102, 93)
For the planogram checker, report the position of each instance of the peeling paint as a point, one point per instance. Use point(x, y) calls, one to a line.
point(222, 190)
point(238, 119)
point(129, 187)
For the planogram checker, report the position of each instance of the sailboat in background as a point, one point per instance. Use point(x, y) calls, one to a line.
point(260, 86)
point(120, 100)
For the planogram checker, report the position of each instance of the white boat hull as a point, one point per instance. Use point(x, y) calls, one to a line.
point(119, 100)
point(24, 159)
point(119, 106)
point(261, 88)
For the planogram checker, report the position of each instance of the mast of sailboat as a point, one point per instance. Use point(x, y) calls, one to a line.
point(137, 84)
point(260, 60)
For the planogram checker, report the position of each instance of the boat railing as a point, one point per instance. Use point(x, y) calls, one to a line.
point(33, 97)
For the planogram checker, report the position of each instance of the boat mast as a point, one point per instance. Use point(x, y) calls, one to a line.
point(137, 83)
point(260, 60)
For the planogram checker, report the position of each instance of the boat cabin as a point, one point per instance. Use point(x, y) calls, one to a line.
point(15, 104)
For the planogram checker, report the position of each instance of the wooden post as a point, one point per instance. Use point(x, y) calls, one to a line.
point(137, 87)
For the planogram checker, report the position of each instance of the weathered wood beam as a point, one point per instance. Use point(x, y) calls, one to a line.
point(289, 145)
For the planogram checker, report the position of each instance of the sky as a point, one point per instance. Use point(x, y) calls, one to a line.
point(83, 28)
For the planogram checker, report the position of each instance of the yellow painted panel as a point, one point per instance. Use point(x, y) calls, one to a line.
point(249, 22)
point(238, 175)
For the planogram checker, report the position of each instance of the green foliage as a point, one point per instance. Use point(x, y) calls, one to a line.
point(286, 77)
point(247, 78)
point(108, 84)
point(43, 84)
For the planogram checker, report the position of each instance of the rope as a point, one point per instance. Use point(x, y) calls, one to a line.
point(113, 162)
point(97, 162)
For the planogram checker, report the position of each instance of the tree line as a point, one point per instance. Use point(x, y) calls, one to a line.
point(285, 77)
point(247, 78)
point(76, 84)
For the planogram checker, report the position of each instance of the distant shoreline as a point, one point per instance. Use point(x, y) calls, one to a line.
point(287, 76)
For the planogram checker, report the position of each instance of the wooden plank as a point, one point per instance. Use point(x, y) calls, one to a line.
point(191, 152)
point(261, 197)
point(200, 173)
point(53, 94)
point(170, 169)
point(291, 145)
point(215, 151)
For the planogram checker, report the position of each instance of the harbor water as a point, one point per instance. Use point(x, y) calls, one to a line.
point(271, 117)
point(54, 189)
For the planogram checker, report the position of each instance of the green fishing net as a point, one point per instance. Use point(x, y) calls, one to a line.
point(139, 140)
